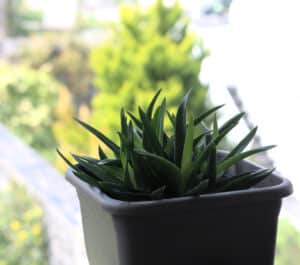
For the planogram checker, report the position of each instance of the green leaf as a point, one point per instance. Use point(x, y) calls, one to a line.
point(172, 118)
point(225, 164)
point(212, 167)
point(187, 154)
point(65, 159)
point(244, 180)
point(198, 189)
point(231, 122)
point(242, 144)
point(136, 121)
point(165, 169)
point(86, 178)
point(215, 127)
point(101, 153)
point(158, 193)
point(169, 148)
point(150, 140)
point(201, 118)
point(152, 103)
point(122, 193)
point(110, 144)
point(124, 128)
point(99, 171)
point(198, 139)
point(158, 120)
point(180, 128)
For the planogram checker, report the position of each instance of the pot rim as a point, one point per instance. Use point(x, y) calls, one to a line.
point(278, 188)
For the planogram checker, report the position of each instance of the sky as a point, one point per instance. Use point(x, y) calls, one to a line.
point(258, 51)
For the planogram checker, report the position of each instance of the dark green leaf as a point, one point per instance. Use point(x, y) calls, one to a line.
point(225, 164)
point(187, 154)
point(172, 118)
point(165, 169)
point(86, 178)
point(100, 136)
point(150, 140)
point(244, 180)
point(101, 153)
point(198, 139)
point(158, 121)
point(198, 189)
point(121, 193)
point(204, 115)
point(180, 128)
point(65, 159)
point(158, 193)
point(212, 167)
point(137, 122)
point(243, 143)
point(152, 103)
point(231, 122)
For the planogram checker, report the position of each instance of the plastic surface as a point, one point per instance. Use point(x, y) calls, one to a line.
point(230, 228)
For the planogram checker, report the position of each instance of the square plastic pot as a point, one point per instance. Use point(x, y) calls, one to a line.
point(231, 228)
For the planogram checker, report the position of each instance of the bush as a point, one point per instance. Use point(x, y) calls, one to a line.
point(22, 240)
point(288, 244)
point(66, 60)
point(28, 104)
point(147, 50)
point(20, 19)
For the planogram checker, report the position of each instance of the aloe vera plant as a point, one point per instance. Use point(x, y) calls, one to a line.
point(150, 163)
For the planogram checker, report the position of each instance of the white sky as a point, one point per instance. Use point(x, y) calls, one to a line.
point(259, 52)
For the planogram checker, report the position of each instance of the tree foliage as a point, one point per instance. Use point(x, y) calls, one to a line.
point(147, 50)
point(28, 100)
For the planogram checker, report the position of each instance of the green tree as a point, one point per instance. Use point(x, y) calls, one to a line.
point(28, 100)
point(66, 59)
point(147, 50)
point(21, 20)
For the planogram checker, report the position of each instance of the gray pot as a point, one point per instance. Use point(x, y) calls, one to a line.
point(231, 228)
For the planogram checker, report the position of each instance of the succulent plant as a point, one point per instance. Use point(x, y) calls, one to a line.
point(153, 163)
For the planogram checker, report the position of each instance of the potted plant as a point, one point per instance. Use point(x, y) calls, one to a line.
point(171, 197)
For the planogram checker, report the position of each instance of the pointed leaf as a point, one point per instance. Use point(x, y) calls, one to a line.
point(187, 154)
point(231, 122)
point(198, 139)
point(215, 127)
point(100, 136)
point(201, 118)
point(152, 103)
point(150, 140)
point(172, 118)
point(198, 189)
point(136, 121)
point(212, 167)
point(180, 128)
point(243, 143)
point(165, 169)
point(101, 153)
point(158, 193)
point(65, 159)
point(225, 164)
point(86, 178)
point(244, 180)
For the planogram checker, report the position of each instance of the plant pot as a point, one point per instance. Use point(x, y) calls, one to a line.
point(232, 228)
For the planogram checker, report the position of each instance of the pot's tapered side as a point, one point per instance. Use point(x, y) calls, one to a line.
point(98, 227)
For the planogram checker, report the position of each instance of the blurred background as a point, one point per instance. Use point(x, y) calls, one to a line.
point(88, 58)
